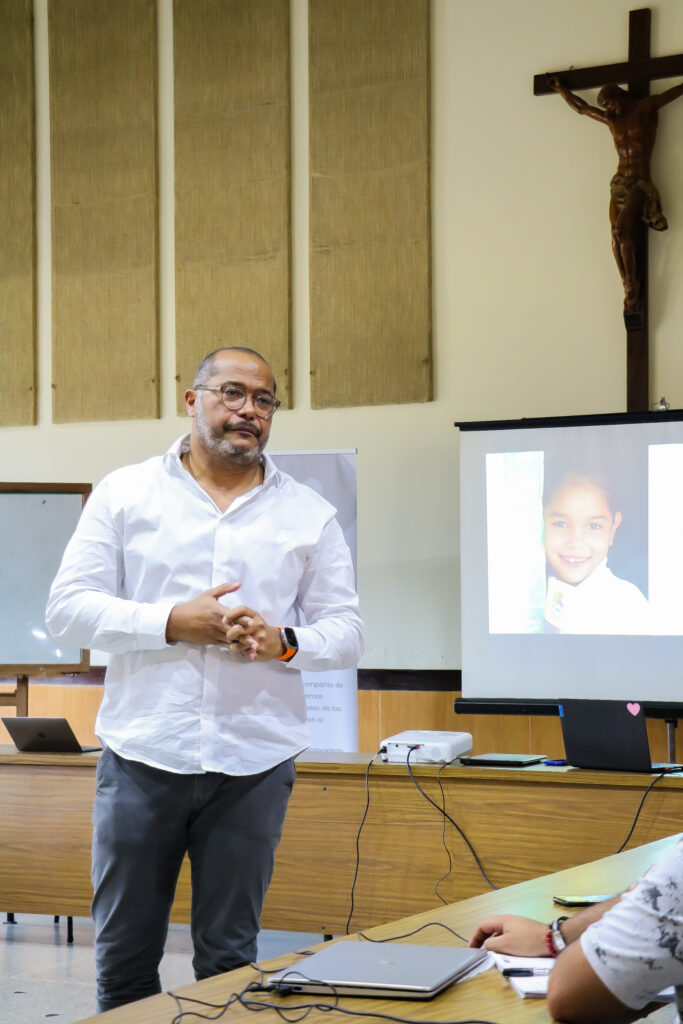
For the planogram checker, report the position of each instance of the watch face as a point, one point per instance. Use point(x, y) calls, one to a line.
point(290, 637)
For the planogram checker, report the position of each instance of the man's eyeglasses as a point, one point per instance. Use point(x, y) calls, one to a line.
point(235, 397)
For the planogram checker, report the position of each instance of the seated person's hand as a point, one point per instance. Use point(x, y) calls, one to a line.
point(506, 933)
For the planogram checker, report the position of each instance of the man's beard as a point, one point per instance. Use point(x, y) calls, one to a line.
point(219, 442)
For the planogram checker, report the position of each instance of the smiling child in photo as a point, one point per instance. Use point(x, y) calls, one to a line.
point(580, 522)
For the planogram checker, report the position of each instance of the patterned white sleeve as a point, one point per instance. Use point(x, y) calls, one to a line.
point(636, 948)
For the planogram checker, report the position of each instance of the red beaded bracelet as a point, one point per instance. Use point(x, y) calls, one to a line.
point(549, 943)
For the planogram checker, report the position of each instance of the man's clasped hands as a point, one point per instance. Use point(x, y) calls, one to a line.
point(204, 620)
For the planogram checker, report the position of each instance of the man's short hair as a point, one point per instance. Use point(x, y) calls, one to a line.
point(206, 367)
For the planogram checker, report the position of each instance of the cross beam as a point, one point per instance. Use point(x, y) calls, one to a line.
point(627, 72)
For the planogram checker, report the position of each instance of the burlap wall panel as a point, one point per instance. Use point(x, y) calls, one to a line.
point(104, 209)
point(369, 204)
point(232, 173)
point(17, 216)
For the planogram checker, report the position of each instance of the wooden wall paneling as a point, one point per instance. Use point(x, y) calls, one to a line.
point(659, 743)
point(409, 709)
point(381, 713)
point(104, 209)
point(9, 712)
point(232, 177)
point(79, 704)
point(46, 804)
point(545, 737)
point(505, 814)
point(368, 721)
point(61, 853)
point(370, 280)
point(504, 733)
point(400, 709)
point(17, 216)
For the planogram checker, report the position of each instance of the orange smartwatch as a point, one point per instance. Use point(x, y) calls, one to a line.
point(289, 642)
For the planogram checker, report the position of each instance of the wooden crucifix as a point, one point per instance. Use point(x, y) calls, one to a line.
point(634, 204)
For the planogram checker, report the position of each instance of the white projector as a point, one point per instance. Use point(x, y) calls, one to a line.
point(427, 746)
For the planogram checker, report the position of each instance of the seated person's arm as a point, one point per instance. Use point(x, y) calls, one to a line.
point(522, 936)
point(616, 963)
point(619, 966)
point(576, 994)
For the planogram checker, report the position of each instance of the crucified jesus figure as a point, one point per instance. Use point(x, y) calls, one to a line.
point(633, 124)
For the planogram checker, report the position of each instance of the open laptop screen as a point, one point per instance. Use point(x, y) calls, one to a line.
point(44, 735)
point(608, 734)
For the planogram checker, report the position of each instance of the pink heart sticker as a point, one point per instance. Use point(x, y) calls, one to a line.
point(633, 709)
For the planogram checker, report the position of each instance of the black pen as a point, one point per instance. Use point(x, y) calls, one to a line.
point(525, 972)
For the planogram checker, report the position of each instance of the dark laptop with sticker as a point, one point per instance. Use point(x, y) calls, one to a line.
point(44, 736)
point(607, 734)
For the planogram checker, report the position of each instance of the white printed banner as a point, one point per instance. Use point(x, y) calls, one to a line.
point(331, 697)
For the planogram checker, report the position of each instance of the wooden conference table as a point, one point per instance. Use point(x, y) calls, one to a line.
point(484, 997)
point(521, 822)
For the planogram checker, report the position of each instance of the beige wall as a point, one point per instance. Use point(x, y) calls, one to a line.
point(527, 301)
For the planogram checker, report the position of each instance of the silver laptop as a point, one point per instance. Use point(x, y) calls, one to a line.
point(44, 736)
point(384, 970)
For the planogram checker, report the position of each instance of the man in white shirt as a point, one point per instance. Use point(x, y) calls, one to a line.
point(212, 578)
point(614, 958)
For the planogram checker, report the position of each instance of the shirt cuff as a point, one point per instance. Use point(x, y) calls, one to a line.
point(309, 648)
point(151, 626)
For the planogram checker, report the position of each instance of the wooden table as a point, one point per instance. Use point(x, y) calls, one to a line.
point(522, 823)
point(485, 997)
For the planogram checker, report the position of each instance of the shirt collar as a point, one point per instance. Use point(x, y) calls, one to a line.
point(596, 577)
point(271, 474)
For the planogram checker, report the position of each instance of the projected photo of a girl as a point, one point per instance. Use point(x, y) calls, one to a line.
point(567, 539)
point(583, 512)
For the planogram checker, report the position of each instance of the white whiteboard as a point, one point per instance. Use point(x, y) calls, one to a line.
point(35, 527)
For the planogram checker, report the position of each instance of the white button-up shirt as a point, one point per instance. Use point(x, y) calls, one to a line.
point(150, 538)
